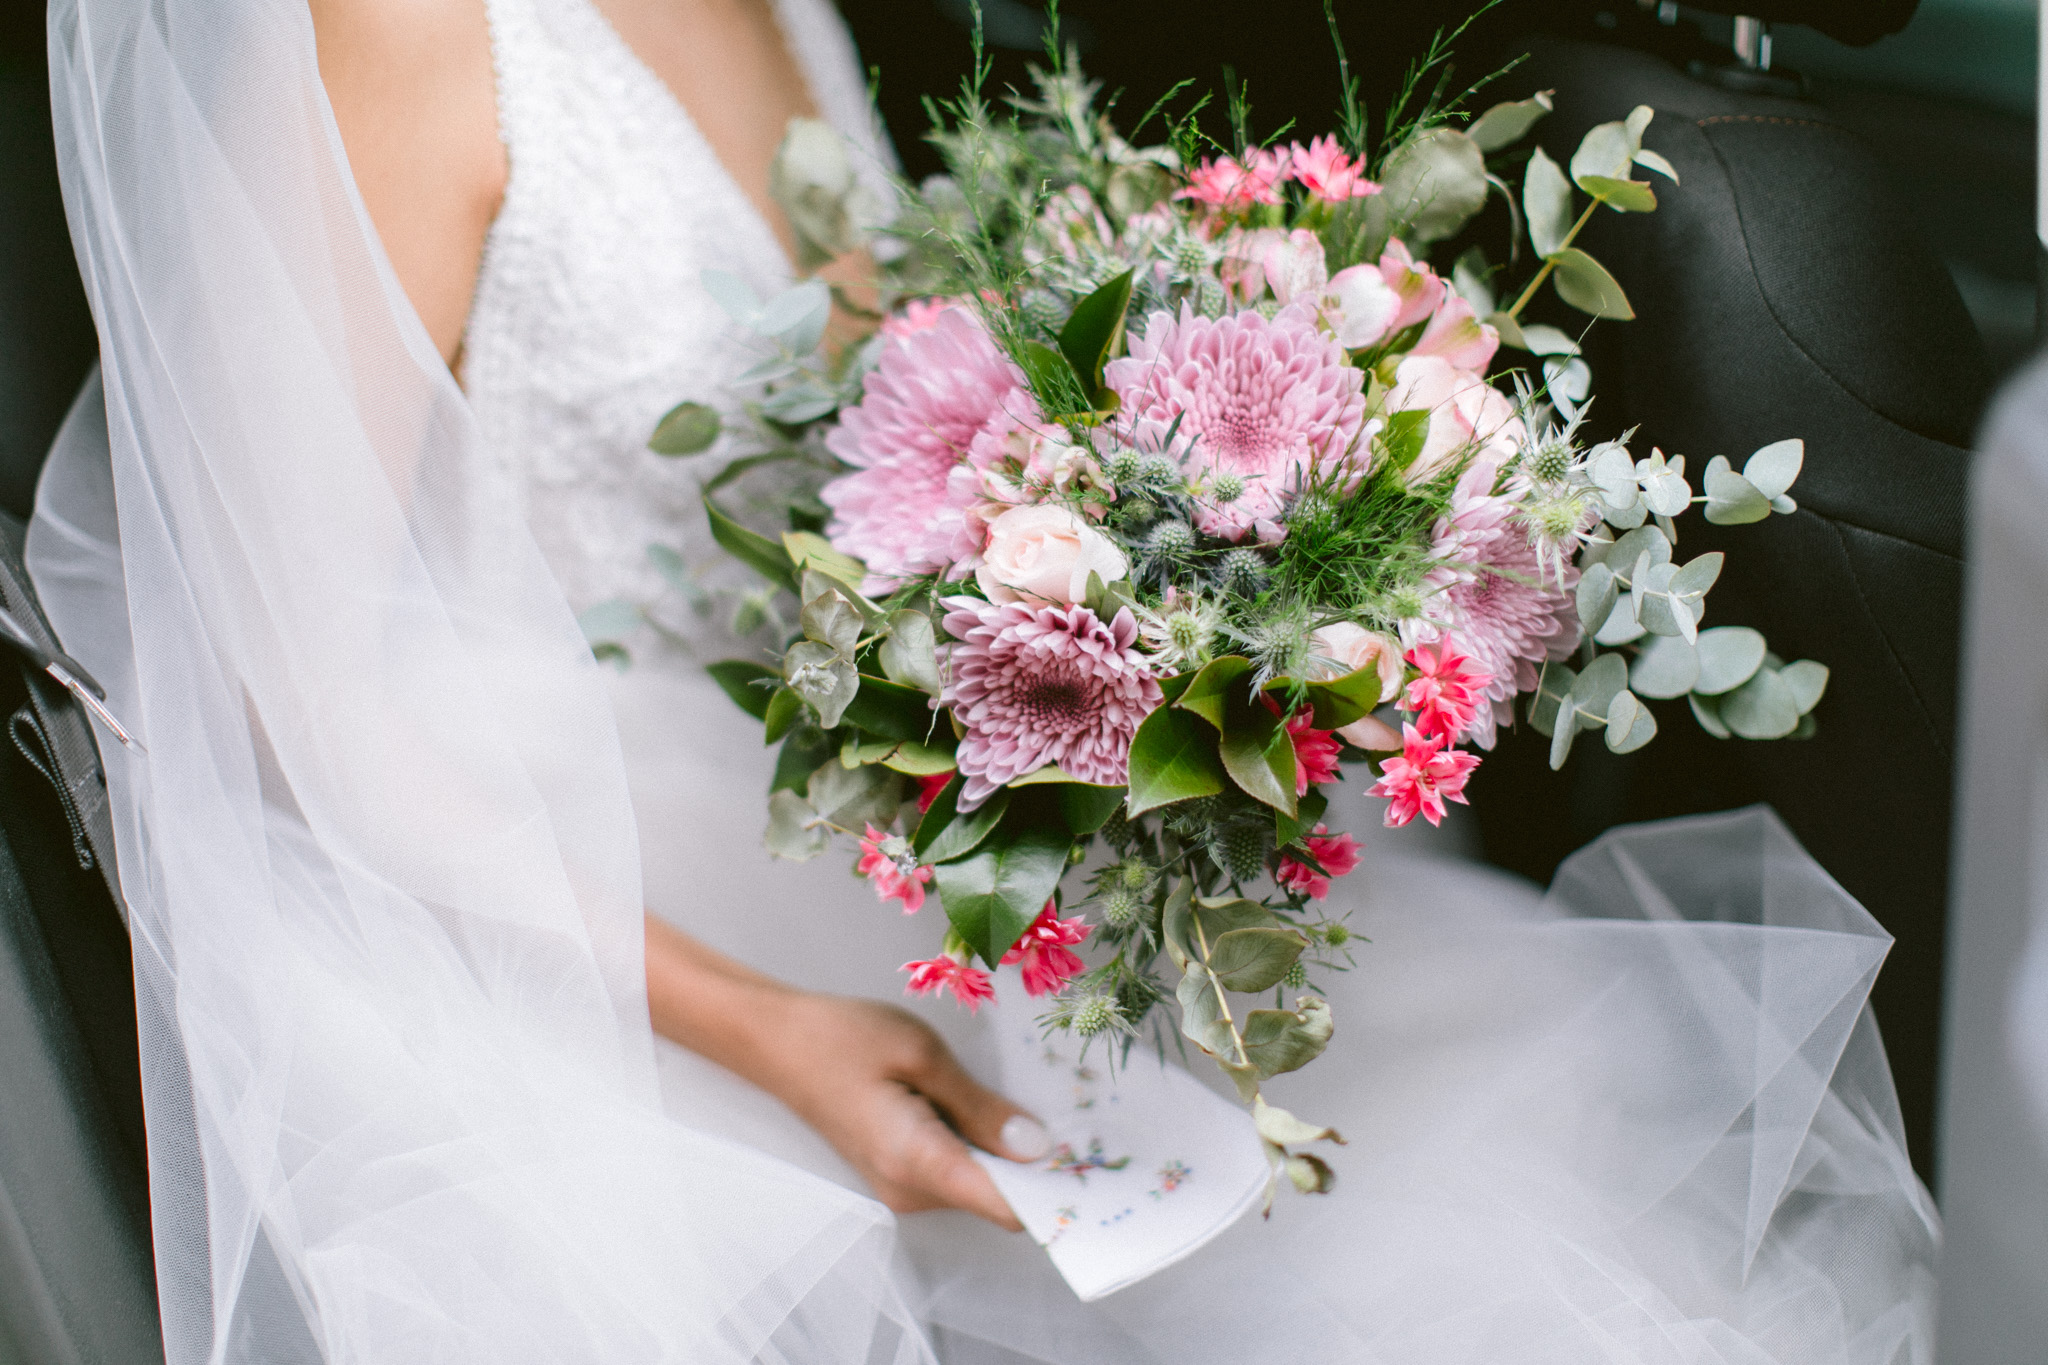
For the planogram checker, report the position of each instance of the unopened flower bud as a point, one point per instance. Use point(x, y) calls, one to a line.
point(1297, 976)
point(1120, 907)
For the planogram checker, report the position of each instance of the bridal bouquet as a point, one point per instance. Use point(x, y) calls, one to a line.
point(1172, 483)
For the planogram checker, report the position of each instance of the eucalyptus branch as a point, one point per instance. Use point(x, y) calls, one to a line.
point(1550, 264)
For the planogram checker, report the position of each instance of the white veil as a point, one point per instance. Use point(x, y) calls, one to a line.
point(382, 874)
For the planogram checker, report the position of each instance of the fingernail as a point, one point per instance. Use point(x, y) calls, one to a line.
point(1025, 1138)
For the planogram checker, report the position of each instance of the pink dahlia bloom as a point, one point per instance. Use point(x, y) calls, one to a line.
point(1229, 184)
point(1492, 601)
point(1260, 400)
point(895, 873)
point(1034, 684)
point(1337, 854)
point(1315, 751)
point(1447, 692)
point(969, 985)
point(1324, 171)
point(1423, 776)
point(935, 390)
point(1049, 963)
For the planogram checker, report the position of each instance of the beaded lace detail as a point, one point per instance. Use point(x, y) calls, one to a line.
point(590, 319)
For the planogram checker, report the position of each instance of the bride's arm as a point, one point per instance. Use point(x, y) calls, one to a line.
point(879, 1085)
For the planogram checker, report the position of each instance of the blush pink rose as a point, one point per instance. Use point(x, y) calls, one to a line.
point(1350, 647)
point(1465, 414)
point(1046, 553)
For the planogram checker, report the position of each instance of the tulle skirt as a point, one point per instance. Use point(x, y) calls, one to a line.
point(1643, 1118)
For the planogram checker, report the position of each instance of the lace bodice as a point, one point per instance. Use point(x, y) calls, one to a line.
point(589, 319)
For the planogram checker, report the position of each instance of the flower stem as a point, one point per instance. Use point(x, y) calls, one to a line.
point(1222, 1003)
point(1550, 262)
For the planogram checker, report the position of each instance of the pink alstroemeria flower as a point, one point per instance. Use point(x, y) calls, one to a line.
point(1456, 334)
point(1043, 949)
point(969, 985)
point(1325, 171)
point(886, 869)
point(1424, 775)
point(1336, 853)
point(1226, 183)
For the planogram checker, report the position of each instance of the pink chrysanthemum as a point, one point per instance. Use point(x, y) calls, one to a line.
point(1043, 948)
point(1491, 599)
point(969, 985)
point(1336, 854)
point(1229, 184)
point(1446, 692)
point(896, 875)
point(1324, 171)
point(934, 391)
point(1315, 751)
point(1035, 684)
point(1424, 775)
point(1260, 400)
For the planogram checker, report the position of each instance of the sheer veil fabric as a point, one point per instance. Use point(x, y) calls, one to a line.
point(379, 856)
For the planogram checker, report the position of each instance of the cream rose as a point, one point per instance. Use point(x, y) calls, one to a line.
point(1464, 412)
point(1350, 647)
point(1045, 552)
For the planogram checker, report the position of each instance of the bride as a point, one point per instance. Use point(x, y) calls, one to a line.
point(389, 295)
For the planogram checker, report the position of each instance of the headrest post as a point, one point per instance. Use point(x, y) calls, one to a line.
point(1752, 43)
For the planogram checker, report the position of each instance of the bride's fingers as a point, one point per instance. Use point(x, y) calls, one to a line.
point(981, 1115)
point(943, 1175)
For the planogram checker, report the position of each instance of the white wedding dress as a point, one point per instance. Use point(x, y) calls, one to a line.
point(1646, 1119)
point(384, 849)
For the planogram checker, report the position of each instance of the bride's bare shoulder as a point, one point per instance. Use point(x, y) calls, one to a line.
point(413, 93)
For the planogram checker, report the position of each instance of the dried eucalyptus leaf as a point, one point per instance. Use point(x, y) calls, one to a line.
point(1310, 1174)
point(1287, 1040)
point(1666, 668)
point(1729, 657)
point(1283, 1129)
point(823, 677)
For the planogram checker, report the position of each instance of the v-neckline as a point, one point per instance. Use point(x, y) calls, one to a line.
point(630, 60)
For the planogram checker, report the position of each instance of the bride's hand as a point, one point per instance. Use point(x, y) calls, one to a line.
point(888, 1094)
point(875, 1082)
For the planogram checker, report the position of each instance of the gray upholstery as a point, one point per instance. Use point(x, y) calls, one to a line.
point(1780, 291)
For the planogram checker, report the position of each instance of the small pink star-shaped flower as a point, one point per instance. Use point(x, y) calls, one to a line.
point(1424, 775)
point(969, 985)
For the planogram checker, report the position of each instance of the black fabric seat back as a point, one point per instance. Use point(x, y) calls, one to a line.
point(1780, 291)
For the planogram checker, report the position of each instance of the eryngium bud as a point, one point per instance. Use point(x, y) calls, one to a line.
point(1096, 1014)
point(1242, 571)
point(1241, 851)
point(1171, 538)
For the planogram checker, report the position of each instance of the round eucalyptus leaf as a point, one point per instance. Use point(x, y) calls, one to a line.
point(1772, 469)
point(1614, 474)
point(1808, 728)
point(1605, 150)
point(1808, 681)
point(1698, 575)
point(794, 830)
point(1621, 627)
point(1667, 493)
point(1762, 708)
point(1729, 657)
point(1624, 519)
point(685, 429)
point(1598, 685)
point(1629, 724)
point(1597, 593)
point(1667, 668)
point(1436, 181)
point(1707, 711)
point(1733, 500)
point(1629, 548)
point(1547, 203)
point(1783, 505)
point(1551, 685)
point(1585, 284)
point(1540, 338)
point(1506, 124)
point(1561, 738)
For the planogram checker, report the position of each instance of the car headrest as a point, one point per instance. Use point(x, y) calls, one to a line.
point(1856, 22)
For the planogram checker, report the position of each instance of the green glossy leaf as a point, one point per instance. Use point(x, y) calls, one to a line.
point(811, 551)
point(1086, 807)
point(1052, 378)
point(992, 895)
point(1547, 201)
point(742, 679)
point(892, 710)
point(1208, 696)
point(1339, 701)
point(1173, 758)
point(1255, 959)
point(1762, 708)
point(1506, 124)
point(1287, 1040)
point(685, 429)
point(757, 552)
point(1092, 330)
point(920, 759)
point(785, 707)
point(945, 834)
point(1258, 753)
point(1585, 284)
point(1404, 436)
point(1311, 808)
